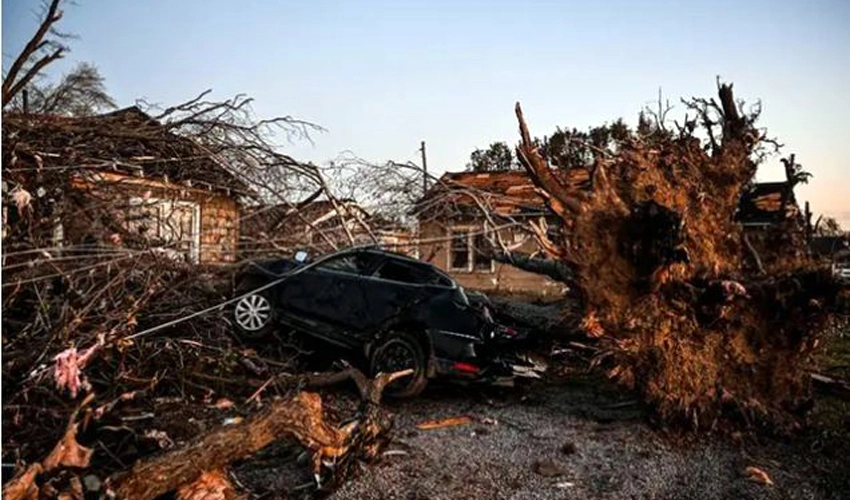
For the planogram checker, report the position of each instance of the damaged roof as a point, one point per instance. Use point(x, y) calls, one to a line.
point(762, 204)
point(508, 193)
point(512, 193)
point(127, 140)
point(294, 217)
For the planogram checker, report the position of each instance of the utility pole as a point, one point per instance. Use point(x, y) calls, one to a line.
point(424, 169)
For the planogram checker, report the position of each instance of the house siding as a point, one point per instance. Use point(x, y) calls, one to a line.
point(504, 278)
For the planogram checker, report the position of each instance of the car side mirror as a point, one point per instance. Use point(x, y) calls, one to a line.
point(301, 256)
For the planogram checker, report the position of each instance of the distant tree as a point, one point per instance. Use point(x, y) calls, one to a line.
point(80, 92)
point(497, 157)
point(573, 148)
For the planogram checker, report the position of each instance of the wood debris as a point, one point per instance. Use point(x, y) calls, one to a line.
point(443, 423)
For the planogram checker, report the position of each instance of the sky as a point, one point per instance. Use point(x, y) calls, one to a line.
point(381, 76)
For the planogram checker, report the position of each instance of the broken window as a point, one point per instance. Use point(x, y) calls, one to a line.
point(397, 271)
point(459, 254)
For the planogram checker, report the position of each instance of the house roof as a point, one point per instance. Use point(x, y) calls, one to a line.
point(127, 140)
point(506, 193)
point(762, 203)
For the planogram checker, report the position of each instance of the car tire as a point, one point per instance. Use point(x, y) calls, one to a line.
point(399, 351)
point(253, 315)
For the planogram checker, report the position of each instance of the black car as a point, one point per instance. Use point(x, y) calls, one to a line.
point(393, 311)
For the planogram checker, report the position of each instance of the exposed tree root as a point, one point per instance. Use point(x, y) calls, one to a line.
point(658, 257)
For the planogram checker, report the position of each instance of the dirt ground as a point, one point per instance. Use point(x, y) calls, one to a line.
point(578, 438)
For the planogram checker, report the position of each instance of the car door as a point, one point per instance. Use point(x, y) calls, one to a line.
point(328, 300)
point(395, 287)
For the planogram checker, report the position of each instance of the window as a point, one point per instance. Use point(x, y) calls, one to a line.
point(470, 251)
point(170, 223)
point(398, 271)
point(459, 254)
point(407, 272)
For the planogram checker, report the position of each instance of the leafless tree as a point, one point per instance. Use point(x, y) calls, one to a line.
point(45, 46)
point(80, 92)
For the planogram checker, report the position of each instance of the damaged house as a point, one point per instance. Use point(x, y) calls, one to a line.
point(465, 213)
point(118, 179)
point(774, 226)
point(319, 226)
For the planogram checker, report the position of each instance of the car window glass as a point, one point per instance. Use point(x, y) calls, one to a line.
point(409, 273)
point(350, 264)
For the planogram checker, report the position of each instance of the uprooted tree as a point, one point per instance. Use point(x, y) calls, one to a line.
point(657, 259)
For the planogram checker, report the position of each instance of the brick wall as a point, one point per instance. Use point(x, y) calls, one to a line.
point(501, 278)
point(218, 214)
point(219, 229)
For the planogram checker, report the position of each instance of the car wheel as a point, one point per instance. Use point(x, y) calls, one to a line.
point(253, 314)
point(400, 351)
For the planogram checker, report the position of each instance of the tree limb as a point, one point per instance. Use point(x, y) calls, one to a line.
point(538, 170)
point(12, 84)
point(555, 269)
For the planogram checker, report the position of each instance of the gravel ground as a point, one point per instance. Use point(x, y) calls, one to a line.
point(578, 440)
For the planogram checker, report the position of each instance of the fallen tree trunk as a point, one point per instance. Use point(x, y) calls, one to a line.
point(300, 417)
point(555, 269)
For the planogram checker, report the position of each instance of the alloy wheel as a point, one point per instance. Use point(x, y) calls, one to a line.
point(253, 312)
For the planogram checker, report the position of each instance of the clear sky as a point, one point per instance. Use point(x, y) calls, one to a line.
point(382, 76)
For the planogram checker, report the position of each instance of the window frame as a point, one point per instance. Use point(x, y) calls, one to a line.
point(467, 231)
point(471, 232)
point(164, 207)
point(414, 265)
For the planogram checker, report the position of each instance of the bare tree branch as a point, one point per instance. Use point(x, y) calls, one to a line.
point(12, 84)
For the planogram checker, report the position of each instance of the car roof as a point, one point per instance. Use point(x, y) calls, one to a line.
point(375, 250)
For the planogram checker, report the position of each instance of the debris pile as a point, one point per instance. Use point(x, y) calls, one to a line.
point(116, 338)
